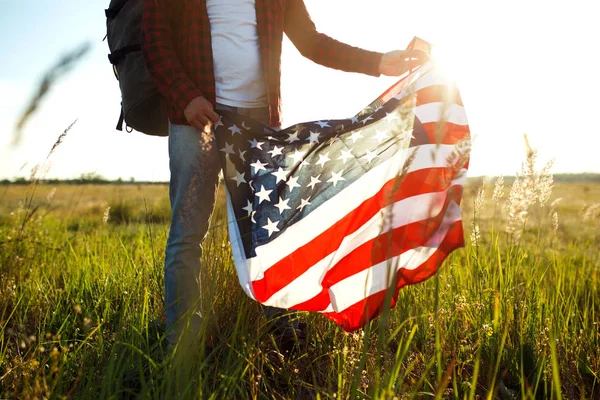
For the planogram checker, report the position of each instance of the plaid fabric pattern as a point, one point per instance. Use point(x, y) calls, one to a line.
point(178, 50)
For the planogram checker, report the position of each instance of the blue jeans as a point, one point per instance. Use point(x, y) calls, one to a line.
point(194, 164)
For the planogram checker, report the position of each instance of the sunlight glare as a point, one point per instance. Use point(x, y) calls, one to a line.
point(447, 61)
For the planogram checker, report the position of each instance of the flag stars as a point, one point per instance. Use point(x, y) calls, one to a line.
point(323, 124)
point(258, 166)
point(323, 158)
point(391, 117)
point(242, 155)
point(369, 118)
point(369, 156)
point(380, 136)
point(346, 155)
point(263, 195)
point(292, 137)
point(356, 136)
point(303, 203)
point(228, 149)
point(336, 177)
point(283, 205)
point(280, 174)
point(303, 164)
point(297, 156)
point(255, 144)
point(277, 151)
point(354, 120)
point(248, 208)
point(314, 180)
point(239, 178)
point(235, 130)
point(314, 137)
point(293, 183)
point(218, 123)
point(271, 227)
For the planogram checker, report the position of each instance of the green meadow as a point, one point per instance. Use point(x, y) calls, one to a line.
point(513, 315)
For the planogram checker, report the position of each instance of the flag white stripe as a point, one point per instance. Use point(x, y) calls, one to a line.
point(237, 249)
point(404, 212)
point(434, 112)
point(359, 286)
point(318, 221)
point(425, 77)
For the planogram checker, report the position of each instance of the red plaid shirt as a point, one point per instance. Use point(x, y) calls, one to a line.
point(179, 55)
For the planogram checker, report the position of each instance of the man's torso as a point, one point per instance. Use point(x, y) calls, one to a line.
point(239, 78)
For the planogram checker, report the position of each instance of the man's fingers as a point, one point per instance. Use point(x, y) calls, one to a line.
point(196, 123)
point(202, 119)
point(213, 116)
point(419, 55)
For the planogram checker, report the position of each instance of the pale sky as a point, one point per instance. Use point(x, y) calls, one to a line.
point(522, 66)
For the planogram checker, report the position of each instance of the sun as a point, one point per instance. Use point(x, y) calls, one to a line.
point(447, 61)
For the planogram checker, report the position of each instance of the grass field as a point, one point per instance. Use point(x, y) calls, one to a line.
point(82, 316)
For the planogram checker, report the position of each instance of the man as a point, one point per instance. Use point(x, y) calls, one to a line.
point(225, 55)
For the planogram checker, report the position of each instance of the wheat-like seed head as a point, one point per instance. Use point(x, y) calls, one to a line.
point(475, 235)
point(480, 199)
point(555, 203)
point(50, 195)
point(592, 212)
point(106, 215)
point(498, 189)
point(545, 184)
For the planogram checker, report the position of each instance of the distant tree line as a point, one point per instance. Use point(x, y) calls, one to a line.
point(586, 177)
point(93, 178)
point(84, 179)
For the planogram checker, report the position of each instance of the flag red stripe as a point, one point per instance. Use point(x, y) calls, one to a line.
point(453, 133)
point(357, 315)
point(439, 93)
point(295, 264)
point(388, 245)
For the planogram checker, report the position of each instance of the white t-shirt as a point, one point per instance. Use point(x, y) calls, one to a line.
point(238, 73)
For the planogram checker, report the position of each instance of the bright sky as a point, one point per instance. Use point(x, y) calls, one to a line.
point(522, 66)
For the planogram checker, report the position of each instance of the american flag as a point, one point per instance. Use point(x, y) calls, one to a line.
point(329, 216)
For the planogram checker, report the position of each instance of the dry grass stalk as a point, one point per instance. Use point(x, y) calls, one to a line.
point(480, 199)
point(530, 186)
point(457, 160)
point(555, 221)
point(522, 195)
point(64, 64)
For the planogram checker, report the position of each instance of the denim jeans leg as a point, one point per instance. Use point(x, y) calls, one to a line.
point(194, 165)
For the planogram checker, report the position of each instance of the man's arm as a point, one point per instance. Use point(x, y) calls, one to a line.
point(331, 53)
point(321, 48)
point(164, 65)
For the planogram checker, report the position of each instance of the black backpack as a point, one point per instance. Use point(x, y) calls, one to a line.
point(142, 106)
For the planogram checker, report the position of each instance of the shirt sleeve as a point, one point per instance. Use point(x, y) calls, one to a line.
point(161, 58)
point(321, 48)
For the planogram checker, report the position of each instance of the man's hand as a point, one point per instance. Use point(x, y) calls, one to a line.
point(200, 113)
point(396, 63)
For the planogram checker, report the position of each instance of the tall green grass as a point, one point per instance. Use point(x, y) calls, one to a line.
point(513, 315)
